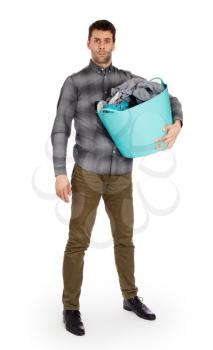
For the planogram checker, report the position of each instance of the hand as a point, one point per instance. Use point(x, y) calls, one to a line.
point(63, 187)
point(170, 138)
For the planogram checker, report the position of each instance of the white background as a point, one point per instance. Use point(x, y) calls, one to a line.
point(42, 42)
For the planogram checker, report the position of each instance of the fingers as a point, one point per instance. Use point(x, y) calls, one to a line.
point(162, 138)
point(167, 128)
point(167, 140)
point(161, 145)
point(64, 196)
point(161, 142)
point(170, 144)
point(64, 193)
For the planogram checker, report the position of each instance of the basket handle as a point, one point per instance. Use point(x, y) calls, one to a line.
point(162, 82)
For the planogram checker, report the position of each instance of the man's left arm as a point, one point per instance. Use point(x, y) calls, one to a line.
point(176, 108)
point(172, 130)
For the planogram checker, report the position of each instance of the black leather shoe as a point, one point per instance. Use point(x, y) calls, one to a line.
point(73, 322)
point(140, 309)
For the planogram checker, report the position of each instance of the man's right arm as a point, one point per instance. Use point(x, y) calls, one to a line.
point(61, 129)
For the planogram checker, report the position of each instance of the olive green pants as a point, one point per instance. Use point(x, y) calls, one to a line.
point(87, 189)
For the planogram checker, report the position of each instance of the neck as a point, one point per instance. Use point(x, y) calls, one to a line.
point(103, 65)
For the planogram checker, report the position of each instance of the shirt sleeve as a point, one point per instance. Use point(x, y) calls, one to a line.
point(176, 106)
point(61, 129)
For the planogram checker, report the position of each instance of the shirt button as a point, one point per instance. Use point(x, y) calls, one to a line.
point(113, 151)
point(105, 91)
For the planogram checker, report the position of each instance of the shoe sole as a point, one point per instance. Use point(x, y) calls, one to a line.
point(69, 330)
point(149, 319)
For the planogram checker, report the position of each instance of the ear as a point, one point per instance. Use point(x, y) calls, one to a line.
point(88, 44)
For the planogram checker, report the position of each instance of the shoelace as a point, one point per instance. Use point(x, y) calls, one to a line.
point(137, 299)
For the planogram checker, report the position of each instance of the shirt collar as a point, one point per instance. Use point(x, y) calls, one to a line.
point(98, 68)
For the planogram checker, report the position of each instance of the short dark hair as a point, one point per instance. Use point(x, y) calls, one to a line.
point(102, 24)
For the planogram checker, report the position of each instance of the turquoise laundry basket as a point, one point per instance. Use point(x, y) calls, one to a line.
point(135, 129)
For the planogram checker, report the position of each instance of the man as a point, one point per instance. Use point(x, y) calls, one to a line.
point(99, 171)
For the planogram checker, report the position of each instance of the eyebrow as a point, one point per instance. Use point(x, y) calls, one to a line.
point(100, 38)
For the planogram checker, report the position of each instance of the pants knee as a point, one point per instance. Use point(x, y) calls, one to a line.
point(76, 246)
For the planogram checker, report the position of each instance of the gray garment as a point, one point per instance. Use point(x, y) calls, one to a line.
point(143, 90)
point(94, 150)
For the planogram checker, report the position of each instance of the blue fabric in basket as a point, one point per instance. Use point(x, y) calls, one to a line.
point(118, 106)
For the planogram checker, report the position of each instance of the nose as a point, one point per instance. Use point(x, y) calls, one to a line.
point(101, 45)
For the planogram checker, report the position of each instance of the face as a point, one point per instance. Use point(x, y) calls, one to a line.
point(101, 46)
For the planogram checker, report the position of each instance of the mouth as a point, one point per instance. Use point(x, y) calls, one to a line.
point(101, 54)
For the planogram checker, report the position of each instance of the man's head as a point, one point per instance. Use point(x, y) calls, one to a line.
point(101, 42)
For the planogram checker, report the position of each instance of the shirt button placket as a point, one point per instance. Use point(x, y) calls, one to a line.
point(104, 79)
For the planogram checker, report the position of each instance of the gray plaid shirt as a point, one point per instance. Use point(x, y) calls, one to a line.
point(94, 149)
